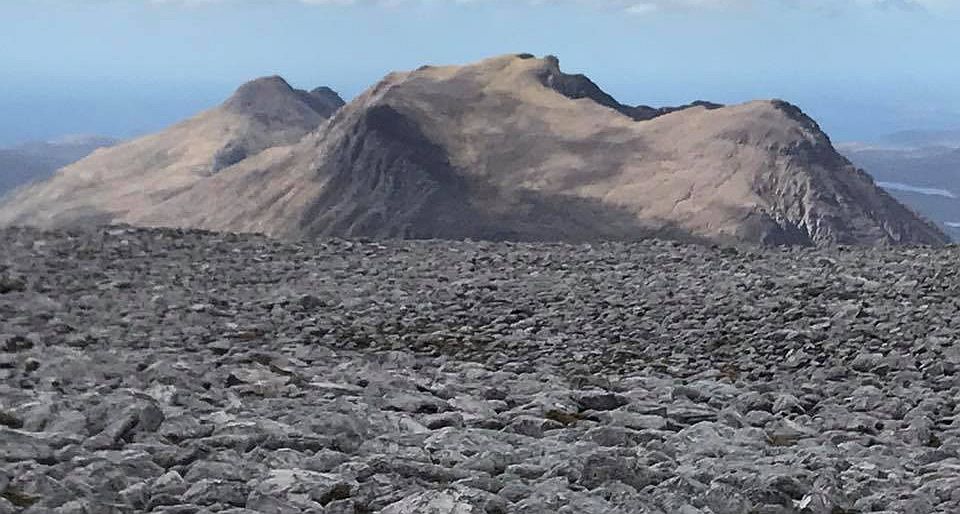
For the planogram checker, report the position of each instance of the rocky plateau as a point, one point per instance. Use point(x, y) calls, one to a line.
point(178, 371)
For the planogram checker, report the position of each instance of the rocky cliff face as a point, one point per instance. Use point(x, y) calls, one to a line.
point(576, 86)
point(513, 148)
point(816, 195)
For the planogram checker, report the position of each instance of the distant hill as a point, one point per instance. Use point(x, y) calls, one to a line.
point(922, 139)
point(507, 148)
point(136, 176)
point(28, 162)
point(926, 178)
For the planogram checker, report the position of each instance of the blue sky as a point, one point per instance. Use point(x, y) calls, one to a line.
point(125, 67)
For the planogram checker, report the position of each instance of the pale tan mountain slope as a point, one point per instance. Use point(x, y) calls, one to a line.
point(114, 184)
point(512, 148)
point(490, 150)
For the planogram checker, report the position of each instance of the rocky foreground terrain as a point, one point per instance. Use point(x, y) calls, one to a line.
point(185, 372)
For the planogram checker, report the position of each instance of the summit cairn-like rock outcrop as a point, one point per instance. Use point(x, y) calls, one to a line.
point(514, 148)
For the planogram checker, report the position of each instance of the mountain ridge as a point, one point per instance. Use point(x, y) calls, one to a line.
point(513, 148)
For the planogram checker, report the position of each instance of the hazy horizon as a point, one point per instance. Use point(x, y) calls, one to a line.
point(862, 68)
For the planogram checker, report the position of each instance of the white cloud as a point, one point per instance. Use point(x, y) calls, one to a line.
point(643, 8)
point(905, 5)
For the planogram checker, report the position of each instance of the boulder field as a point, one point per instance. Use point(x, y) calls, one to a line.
point(181, 371)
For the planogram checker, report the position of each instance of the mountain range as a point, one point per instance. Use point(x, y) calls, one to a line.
point(507, 148)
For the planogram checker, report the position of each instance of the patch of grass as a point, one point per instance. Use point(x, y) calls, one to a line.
point(564, 418)
point(12, 285)
point(19, 499)
point(9, 420)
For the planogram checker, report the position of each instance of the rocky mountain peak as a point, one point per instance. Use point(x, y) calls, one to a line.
point(329, 94)
point(274, 99)
point(324, 100)
point(256, 95)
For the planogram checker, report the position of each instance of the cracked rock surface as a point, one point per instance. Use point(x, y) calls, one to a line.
point(187, 372)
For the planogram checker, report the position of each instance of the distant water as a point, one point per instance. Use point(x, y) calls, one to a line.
point(933, 191)
point(952, 224)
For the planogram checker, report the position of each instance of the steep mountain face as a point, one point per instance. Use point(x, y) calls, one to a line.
point(513, 148)
point(28, 162)
point(118, 183)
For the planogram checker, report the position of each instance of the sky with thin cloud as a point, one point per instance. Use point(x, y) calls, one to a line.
point(125, 67)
